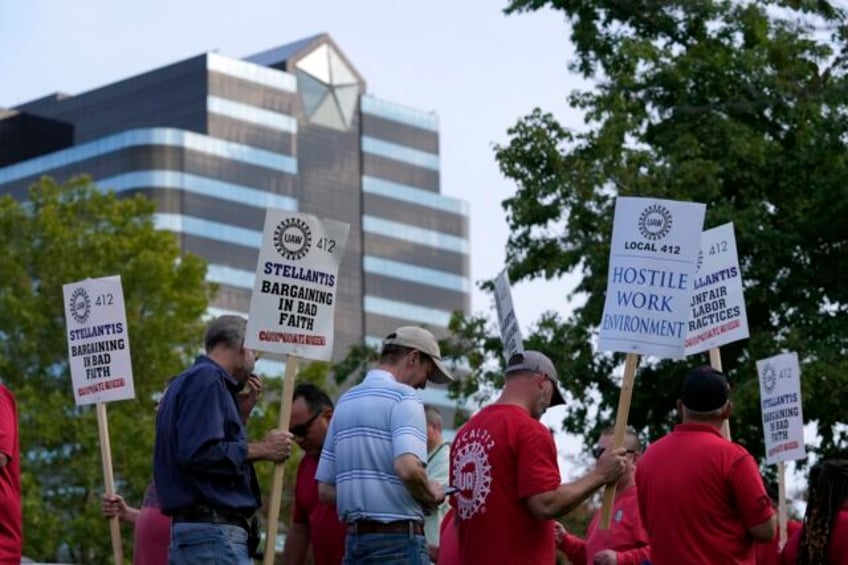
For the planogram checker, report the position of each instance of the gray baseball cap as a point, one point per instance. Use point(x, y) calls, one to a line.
point(536, 362)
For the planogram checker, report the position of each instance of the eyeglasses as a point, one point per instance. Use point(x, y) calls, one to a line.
point(597, 451)
point(301, 430)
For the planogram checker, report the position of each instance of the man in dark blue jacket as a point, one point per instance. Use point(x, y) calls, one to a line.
point(203, 463)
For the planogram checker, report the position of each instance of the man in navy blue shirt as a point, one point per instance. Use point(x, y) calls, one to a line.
point(203, 463)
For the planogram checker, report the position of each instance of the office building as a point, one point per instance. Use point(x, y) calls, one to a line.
point(214, 140)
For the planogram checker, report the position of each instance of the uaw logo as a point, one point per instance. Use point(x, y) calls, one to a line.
point(293, 239)
point(472, 473)
point(655, 222)
point(769, 378)
point(80, 305)
point(700, 262)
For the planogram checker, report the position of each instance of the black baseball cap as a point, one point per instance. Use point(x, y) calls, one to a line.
point(704, 389)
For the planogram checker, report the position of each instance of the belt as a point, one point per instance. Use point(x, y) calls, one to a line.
point(410, 527)
point(212, 516)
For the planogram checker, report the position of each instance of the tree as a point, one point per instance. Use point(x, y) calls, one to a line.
point(66, 233)
point(739, 105)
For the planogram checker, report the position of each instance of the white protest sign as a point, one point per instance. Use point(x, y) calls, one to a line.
point(780, 400)
point(653, 254)
point(513, 342)
point(294, 295)
point(98, 342)
point(717, 305)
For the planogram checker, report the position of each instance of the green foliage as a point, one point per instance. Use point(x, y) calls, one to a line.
point(66, 233)
point(739, 105)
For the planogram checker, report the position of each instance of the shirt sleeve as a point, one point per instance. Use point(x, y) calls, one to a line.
point(326, 472)
point(408, 425)
point(537, 470)
point(206, 421)
point(7, 425)
point(574, 548)
point(748, 491)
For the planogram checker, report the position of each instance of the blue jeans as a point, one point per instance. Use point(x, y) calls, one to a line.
point(196, 543)
point(388, 549)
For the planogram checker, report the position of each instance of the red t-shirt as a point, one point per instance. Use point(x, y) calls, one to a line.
point(698, 495)
point(838, 542)
point(152, 532)
point(448, 541)
point(326, 532)
point(500, 458)
point(11, 534)
point(625, 534)
point(768, 553)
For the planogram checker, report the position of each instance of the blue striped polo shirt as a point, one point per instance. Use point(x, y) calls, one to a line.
point(373, 423)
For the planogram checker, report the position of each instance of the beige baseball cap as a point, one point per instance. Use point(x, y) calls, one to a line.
point(423, 341)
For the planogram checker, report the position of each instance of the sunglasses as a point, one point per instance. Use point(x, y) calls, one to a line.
point(301, 430)
point(597, 451)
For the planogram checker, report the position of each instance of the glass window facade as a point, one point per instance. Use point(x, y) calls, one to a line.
point(421, 236)
point(400, 153)
point(197, 184)
point(413, 195)
point(406, 311)
point(211, 230)
point(399, 113)
point(415, 273)
point(251, 114)
point(251, 72)
point(150, 136)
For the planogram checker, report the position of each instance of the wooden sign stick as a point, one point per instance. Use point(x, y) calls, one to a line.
point(715, 363)
point(277, 484)
point(620, 429)
point(109, 480)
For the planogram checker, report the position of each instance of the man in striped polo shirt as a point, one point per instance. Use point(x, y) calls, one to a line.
point(372, 464)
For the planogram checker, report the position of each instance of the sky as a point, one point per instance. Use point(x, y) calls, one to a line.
point(477, 68)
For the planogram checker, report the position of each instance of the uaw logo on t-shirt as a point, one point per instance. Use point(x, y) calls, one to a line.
point(472, 472)
point(293, 238)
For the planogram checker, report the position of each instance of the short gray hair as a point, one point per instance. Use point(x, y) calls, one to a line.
point(227, 330)
point(434, 417)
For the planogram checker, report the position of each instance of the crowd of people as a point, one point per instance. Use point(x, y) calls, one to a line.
point(379, 483)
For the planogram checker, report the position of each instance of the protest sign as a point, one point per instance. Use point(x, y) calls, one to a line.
point(717, 305)
point(292, 309)
point(294, 295)
point(780, 399)
point(98, 342)
point(653, 254)
point(100, 363)
point(510, 332)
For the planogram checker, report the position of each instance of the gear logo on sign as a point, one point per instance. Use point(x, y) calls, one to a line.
point(655, 222)
point(472, 475)
point(293, 239)
point(769, 378)
point(80, 305)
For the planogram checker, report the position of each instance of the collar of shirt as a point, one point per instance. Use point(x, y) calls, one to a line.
point(380, 375)
point(232, 383)
point(697, 427)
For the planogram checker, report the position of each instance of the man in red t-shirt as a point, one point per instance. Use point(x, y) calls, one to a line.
point(11, 534)
point(504, 464)
point(625, 542)
point(701, 497)
point(313, 522)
